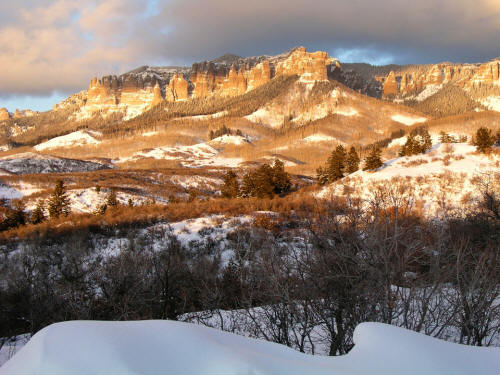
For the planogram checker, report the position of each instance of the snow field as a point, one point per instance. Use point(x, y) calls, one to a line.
point(153, 347)
point(78, 138)
point(444, 176)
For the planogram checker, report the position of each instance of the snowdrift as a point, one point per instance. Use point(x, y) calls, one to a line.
point(166, 347)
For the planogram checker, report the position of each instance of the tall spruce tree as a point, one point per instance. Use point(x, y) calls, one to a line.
point(352, 161)
point(373, 160)
point(280, 178)
point(38, 214)
point(231, 186)
point(16, 215)
point(58, 203)
point(247, 185)
point(336, 164)
point(263, 185)
point(417, 142)
point(484, 139)
point(111, 200)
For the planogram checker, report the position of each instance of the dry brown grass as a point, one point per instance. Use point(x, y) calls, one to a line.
point(141, 216)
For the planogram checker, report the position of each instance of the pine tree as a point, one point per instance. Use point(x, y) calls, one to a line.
point(373, 160)
point(484, 139)
point(248, 185)
point(58, 202)
point(16, 216)
point(280, 178)
point(263, 185)
point(111, 200)
point(417, 142)
point(426, 142)
point(336, 164)
point(38, 214)
point(231, 186)
point(446, 138)
point(352, 161)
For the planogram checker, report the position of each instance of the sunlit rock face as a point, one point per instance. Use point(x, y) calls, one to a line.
point(230, 75)
point(411, 81)
point(4, 114)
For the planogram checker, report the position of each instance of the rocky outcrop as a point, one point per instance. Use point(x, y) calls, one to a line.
point(390, 85)
point(178, 88)
point(227, 76)
point(413, 80)
point(4, 114)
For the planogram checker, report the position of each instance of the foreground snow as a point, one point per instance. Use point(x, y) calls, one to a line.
point(167, 347)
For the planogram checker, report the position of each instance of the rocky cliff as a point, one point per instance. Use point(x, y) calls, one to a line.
point(229, 75)
point(4, 114)
point(412, 81)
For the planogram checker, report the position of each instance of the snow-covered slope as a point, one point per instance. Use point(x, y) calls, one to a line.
point(30, 162)
point(408, 120)
point(444, 178)
point(198, 155)
point(167, 347)
point(229, 139)
point(78, 138)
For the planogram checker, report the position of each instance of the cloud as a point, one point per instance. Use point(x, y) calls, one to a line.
point(58, 45)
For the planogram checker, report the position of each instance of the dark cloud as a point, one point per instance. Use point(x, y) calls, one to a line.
point(49, 45)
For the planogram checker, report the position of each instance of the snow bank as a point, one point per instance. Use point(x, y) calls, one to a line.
point(230, 139)
point(492, 103)
point(428, 92)
point(319, 138)
point(198, 155)
point(78, 138)
point(408, 120)
point(443, 178)
point(266, 116)
point(167, 347)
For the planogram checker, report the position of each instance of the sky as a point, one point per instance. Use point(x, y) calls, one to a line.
point(50, 49)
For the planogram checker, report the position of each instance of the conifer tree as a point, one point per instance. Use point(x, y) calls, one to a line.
point(58, 202)
point(417, 142)
point(484, 139)
point(248, 185)
point(426, 142)
point(336, 164)
point(263, 185)
point(352, 161)
point(231, 186)
point(280, 178)
point(111, 200)
point(373, 160)
point(38, 214)
point(16, 216)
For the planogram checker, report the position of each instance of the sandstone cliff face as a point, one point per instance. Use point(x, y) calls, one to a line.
point(410, 82)
point(4, 114)
point(146, 87)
